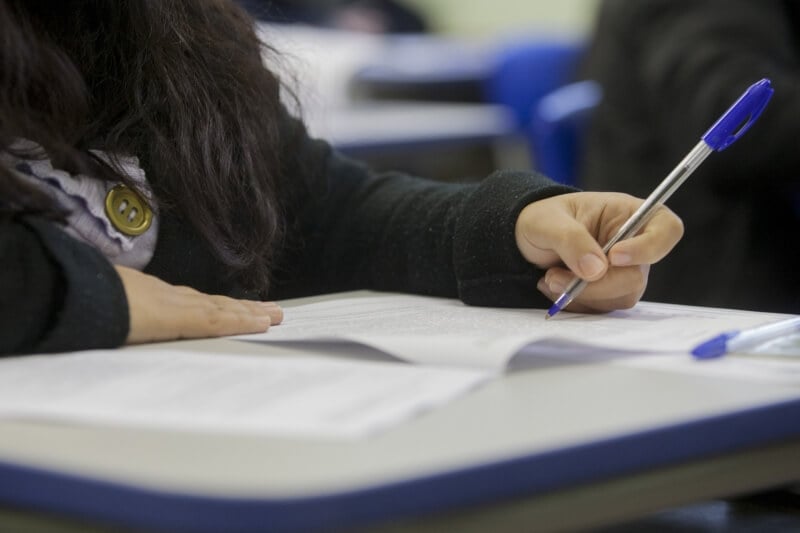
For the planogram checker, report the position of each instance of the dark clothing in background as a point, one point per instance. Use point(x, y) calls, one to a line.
point(668, 69)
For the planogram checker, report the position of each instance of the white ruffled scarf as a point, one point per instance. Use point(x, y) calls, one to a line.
point(83, 197)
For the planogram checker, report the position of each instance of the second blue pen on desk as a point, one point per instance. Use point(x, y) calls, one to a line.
point(737, 341)
point(732, 125)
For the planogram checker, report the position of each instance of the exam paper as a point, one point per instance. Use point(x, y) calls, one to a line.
point(445, 332)
point(223, 393)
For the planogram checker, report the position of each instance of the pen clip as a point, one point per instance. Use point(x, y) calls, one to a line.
point(739, 117)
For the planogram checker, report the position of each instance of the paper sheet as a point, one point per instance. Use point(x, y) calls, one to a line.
point(306, 393)
point(446, 332)
point(222, 393)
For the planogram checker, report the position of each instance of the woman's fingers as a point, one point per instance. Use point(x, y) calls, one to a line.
point(565, 234)
point(620, 288)
point(650, 245)
point(205, 315)
point(160, 311)
point(548, 232)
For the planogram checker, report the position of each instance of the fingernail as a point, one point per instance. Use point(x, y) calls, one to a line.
point(621, 259)
point(542, 286)
point(591, 265)
point(556, 285)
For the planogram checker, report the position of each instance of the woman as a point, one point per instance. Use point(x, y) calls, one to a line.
point(153, 187)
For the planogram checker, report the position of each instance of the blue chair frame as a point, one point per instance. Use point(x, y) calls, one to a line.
point(535, 80)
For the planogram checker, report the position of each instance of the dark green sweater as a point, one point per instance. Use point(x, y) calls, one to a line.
point(354, 230)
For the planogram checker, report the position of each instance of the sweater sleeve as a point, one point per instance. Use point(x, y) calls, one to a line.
point(361, 230)
point(489, 268)
point(58, 294)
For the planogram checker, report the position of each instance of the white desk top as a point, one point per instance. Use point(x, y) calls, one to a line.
point(393, 125)
point(524, 413)
point(320, 64)
point(534, 419)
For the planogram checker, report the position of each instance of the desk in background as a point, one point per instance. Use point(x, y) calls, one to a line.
point(443, 141)
point(350, 88)
point(534, 77)
point(427, 68)
point(365, 128)
point(412, 103)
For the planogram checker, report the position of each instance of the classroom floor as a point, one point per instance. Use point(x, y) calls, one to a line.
point(769, 512)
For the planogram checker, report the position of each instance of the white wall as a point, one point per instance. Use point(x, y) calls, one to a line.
point(482, 18)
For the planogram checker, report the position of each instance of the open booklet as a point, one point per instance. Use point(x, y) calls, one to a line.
point(293, 387)
point(446, 332)
point(225, 392)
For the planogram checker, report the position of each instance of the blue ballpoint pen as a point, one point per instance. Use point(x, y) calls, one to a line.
point(735, 341)
point(732, 125)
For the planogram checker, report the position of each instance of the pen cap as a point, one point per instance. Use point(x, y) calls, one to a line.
point(739, 117)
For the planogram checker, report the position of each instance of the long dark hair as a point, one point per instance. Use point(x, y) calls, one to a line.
point(181, 84)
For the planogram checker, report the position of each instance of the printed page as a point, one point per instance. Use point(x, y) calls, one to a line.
point(223, 393)
point(440, 331)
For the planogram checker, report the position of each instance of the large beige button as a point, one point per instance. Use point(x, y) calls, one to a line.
point(127, 211)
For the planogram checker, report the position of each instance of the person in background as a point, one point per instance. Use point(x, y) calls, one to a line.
point(368, 16)
point(153, 186)
point(668, 69)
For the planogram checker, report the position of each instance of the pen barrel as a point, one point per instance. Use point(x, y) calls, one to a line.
point(661, 193)
point(640, 217)
point(574, 288)
point(723, 133)
point(759, 335)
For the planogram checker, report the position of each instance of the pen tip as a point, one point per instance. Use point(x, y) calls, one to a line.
point(554, 309)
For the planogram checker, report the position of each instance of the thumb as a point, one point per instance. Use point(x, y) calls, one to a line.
point(559, 232)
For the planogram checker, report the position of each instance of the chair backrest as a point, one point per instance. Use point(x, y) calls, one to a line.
point(526, 74)
point(557, 128)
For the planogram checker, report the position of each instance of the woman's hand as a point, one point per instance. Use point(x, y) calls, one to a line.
point(564, 235)
point(160, 311)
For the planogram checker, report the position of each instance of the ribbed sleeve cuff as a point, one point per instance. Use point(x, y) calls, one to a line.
point(489, 268)
point(94, 308)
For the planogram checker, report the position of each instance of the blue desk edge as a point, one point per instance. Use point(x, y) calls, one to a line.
point(129, 506)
